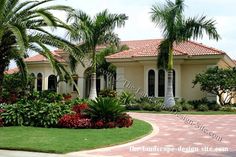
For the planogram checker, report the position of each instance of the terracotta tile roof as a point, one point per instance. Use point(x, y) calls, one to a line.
point(139, 48)
point(41, 58)
point(11, 71)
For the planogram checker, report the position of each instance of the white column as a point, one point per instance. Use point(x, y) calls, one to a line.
point(81, 86)
point(45, 81)
point(102, 82)
point(120, 80)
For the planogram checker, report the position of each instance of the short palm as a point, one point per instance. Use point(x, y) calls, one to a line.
point(176, 29)
point(105, 109)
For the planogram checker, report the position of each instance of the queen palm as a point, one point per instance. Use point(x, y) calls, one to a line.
point(92, 32)
point(24, 27)
point(177, 28)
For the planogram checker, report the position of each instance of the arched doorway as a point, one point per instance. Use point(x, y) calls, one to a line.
point(52, 83)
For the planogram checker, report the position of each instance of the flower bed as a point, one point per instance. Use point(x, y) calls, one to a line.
point(102, 113)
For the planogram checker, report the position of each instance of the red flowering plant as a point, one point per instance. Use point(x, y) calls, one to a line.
point(99, 124)
point(124, 120)
point(74, 121)
point(79, 109)
point(111, 125)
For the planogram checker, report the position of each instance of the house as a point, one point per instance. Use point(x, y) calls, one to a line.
point(136, 70)
point(138, 73)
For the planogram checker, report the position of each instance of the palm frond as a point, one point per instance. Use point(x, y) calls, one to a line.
point(197, 26)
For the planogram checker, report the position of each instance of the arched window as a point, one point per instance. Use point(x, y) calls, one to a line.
point(151, 83)
point(161, 83)
point(174, 83)
point(52, 83)
point(39, 82)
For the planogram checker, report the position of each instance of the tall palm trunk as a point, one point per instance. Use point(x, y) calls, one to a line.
point(93, 88)
point(169, 97)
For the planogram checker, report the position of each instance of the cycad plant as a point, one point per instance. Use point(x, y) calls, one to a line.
point(24, 27)
point(176, 28)
point(105, 109)
point(92, 32)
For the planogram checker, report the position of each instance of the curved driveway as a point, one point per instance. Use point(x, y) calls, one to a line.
point(178, 135)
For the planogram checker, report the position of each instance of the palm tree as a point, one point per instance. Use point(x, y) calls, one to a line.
point(92, 32)
point(24, 27)
point(176, 29)
point(105, 68)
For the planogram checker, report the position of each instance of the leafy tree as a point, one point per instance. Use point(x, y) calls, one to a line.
point(24, 27)
point(220, 82)
point(92, 32)
point(176, 28)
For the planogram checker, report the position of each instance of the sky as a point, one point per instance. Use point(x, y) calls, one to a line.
point(139, 25)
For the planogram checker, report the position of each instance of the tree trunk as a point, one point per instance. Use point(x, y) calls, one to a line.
point(93, 89)
point(169, 97)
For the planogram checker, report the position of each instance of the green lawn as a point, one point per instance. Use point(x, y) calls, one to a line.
point(187, 112)
point(56, 140)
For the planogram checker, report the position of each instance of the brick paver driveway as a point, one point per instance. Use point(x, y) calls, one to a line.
point(178, 135)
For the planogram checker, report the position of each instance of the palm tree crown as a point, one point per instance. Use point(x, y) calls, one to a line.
point(176, 28)
point(91, 32)
point(23, 27)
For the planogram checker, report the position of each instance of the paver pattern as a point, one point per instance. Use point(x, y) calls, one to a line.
point(175, 135)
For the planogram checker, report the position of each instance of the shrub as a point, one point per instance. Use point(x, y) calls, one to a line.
point(127, 98)
point(187, 107)
point(1, 121)
point(79, 108)
point(203, 107)
point(228, 109)
point(74, 121)
point(104, 109)
point(34, 113)
point(133, 107)
point(99, 124)
point(79, 101)
point(148, 107)
point(46, 96)
point(196, 103)
point(124, 121)
point(177, 108)
point(150, 100)
point(213, 106)
point(67, 96)
point(111, 125)
point(157, 107)
point(107, 93)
